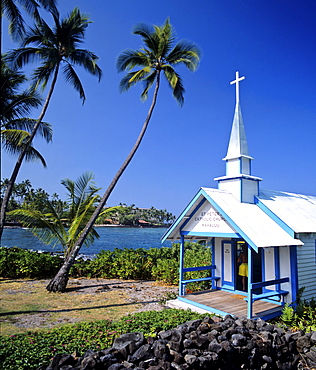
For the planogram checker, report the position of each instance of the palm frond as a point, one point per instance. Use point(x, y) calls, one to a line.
point(18, 105)
point(73, 79)
point(127, 81)
point(41, 76)
point(33, 155)
point(165, 38)
point(19, 57)
point(186, 53)
point(40, 35)
point(81, 220)
point(86, 59)
point(128, 59)
point(14, 141)
point(140, 75)
point(45, 226)
point(15, 19)
point(45, 129)
point(50, 6)
point(80, 190)
point(148, 82)
point(175, 83)
point(13, 138)
point(148, 36)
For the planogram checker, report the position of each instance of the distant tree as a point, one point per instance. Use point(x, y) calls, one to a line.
point(62, 225)
point(54, 48)
point(24, 196)
point(156, 57)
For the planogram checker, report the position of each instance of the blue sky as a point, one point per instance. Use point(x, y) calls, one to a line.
point(271, 43)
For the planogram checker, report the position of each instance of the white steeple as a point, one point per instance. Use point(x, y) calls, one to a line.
point(238, 179)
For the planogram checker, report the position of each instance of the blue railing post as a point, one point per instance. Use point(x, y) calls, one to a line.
point(249, 303)
point(214, 284)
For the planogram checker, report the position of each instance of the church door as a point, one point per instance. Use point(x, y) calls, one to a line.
point(228, 264)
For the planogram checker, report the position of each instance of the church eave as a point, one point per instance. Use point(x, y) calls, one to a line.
point(237, 157)
point(241, 176)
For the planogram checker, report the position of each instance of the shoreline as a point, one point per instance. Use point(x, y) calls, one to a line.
point(103, 225)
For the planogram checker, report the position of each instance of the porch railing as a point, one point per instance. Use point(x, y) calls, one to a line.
point(184, 282)
point(278, 292)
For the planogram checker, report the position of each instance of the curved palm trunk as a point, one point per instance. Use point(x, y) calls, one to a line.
point(21, 157)
point(59, 282)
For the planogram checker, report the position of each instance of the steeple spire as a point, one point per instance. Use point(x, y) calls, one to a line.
point(238, 179)
point(238, 145)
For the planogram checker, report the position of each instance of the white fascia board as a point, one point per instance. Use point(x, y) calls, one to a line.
point(169, 234)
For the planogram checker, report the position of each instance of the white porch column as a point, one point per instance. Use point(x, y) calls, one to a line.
point(181, 278)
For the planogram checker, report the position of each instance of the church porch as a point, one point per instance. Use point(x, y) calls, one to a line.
point(222, 302)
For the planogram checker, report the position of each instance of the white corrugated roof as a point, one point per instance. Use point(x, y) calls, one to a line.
point(298, 211)
point(254, 223)
point(248, 220)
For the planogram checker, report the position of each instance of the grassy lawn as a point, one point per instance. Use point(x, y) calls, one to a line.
point(25, 305)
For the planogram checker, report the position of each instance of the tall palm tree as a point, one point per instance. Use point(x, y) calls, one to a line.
point(53, 48)
point(60, 226)
point(156, 57)
point(15, 127)
point(11, 11)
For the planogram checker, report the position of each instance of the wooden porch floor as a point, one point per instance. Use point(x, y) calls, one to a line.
point(233, 303)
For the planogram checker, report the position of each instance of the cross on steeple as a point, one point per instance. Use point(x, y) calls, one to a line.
point(238, 79)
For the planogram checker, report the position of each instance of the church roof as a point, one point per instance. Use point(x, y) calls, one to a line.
point(297, 211)
point(247, 221)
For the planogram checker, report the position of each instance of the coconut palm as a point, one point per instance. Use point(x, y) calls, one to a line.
point(55, 48)
point(63, 226)
point(157, 57)
point(12, 12)
point(14, 107)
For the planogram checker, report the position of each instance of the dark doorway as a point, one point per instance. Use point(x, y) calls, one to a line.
point(256, 267)
point(241, 247)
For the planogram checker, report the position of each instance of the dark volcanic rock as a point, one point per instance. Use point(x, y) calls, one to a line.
point(226, 344)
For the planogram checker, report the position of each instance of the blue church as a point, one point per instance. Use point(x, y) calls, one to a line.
point(263, 242)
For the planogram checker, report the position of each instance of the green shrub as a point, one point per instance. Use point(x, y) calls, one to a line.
point(197, 255)
point(127, 263)
point(22, 263)
point(301, 318)
point(29, 351)
point(161, 264)
point(166, 271)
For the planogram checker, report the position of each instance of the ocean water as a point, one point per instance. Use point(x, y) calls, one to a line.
point(110, 238)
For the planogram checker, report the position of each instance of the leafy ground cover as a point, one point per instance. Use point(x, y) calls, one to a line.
point(30, 350)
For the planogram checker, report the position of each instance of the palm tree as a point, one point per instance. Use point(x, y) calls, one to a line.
point(54, 48)
point(13, 14)
point(14, 106)
point(60, 226)
point(156, 57)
